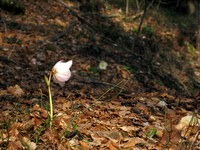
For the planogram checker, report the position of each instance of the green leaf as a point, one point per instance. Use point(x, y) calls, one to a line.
point(152, 133)
point(47, 80)
point(191, 48)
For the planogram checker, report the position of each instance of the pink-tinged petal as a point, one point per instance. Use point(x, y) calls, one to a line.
point(62, 67)
point(61, 72)
point(56, 81)
point(63, 77)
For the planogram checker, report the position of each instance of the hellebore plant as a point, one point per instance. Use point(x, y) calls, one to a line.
point(103, 65)
point(61, 74)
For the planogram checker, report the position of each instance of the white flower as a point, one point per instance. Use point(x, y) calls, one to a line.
point(103, 65)
point(61, 72)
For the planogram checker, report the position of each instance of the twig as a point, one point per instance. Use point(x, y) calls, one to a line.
point(13, 48)
point(137, 4)
point(142, 19)
point(192, 124)
point(127, 7)
point(74, 13)
point(195, 138)
point(150, 4)
point(89, 80)
point(114, 86)
point(136, 15)
point(198, 26)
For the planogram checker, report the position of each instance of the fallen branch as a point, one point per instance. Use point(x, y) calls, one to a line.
point(74, 13)
point(94, 81)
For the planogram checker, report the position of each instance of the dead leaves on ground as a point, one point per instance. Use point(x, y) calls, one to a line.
point(90, 124)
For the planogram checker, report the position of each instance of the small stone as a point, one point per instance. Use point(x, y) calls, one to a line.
point(162, 104)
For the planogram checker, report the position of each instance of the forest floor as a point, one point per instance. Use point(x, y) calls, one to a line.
point(146, 98)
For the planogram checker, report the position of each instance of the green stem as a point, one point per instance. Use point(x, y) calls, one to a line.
point(50, 99)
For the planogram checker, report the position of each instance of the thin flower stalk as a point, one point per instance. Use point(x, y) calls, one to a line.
point(48, 82)
point(60, 73)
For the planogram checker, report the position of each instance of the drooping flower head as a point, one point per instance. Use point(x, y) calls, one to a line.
point(61, 72)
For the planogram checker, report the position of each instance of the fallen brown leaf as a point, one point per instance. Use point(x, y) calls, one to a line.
point(84, 145)
point(15, 90)
point(131, 142)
